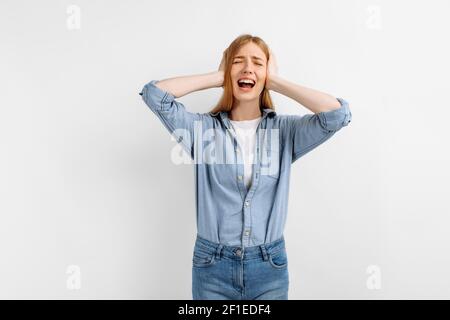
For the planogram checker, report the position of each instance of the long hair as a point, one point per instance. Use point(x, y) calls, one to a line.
point(226, 101)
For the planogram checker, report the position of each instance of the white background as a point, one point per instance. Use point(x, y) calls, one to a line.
point(86, 178)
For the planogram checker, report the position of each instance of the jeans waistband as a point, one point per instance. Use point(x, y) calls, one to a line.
point(237, 252)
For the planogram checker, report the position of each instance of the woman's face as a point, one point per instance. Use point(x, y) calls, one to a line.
point(250, 62)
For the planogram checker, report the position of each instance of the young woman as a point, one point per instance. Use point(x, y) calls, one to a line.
point(243, 151)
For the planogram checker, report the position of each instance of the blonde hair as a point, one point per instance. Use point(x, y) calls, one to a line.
point(226, 101)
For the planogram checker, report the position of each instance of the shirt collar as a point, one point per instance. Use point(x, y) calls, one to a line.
point(224, 114)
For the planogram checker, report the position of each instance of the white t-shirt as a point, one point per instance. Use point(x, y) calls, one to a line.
point(246, 137)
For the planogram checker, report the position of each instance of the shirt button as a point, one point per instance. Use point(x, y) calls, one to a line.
point(247, 203)
point(237, 150)
point(247, 232)
point(240, 177)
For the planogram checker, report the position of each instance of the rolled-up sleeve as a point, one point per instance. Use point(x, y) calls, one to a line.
point(311, 130)
point(176, 119)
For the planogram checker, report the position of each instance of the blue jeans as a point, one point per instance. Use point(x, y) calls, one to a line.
point(222, 272)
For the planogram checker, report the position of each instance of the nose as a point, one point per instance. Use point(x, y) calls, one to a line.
point(247, 72)
point(248, 68)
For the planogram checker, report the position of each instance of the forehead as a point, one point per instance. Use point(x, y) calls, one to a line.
point(251, 50)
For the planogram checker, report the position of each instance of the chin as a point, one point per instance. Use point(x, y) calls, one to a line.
point(246, 95)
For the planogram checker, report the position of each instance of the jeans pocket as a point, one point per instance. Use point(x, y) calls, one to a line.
point(278, 259)
point(203, 258)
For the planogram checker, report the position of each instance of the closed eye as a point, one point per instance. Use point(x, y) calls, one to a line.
point(259, 64)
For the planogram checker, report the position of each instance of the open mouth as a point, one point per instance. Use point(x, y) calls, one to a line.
point(246, 84)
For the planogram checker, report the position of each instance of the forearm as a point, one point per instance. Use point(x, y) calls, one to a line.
point(312, 99)
point(180, 86)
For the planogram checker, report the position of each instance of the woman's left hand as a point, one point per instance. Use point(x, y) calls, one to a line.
point(272, 70)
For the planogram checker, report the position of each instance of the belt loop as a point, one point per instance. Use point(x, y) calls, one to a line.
point(263, 251)
point(219, 250)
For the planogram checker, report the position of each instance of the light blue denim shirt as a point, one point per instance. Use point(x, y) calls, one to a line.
point(227, 212)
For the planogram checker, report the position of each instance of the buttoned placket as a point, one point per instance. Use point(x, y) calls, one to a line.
point(247, 195)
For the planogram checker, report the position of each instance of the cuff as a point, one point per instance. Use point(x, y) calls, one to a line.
point(336, 119)
point(156, 96)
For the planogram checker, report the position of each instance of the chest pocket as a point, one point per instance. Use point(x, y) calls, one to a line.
point(270, 157)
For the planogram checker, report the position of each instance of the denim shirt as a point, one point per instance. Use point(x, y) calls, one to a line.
point(226, 212)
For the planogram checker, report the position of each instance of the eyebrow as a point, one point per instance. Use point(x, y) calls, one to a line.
point(254, 57)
